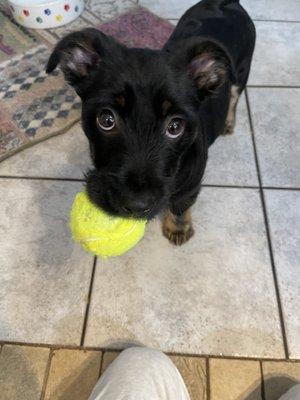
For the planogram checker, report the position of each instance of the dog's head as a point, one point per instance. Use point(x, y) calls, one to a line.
point(140, 113)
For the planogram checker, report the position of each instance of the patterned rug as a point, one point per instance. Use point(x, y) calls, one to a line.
point(34, 106)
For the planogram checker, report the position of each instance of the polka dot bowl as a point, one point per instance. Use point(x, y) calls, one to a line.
point(39, 14)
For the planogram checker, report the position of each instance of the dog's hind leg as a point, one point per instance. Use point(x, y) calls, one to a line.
point(178, 228)
point(230, 119)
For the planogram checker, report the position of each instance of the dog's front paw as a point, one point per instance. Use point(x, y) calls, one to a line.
point(229, 127)
point(178, 237)
point(177, 229)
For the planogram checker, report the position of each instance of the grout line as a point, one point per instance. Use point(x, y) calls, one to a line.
point(279, 188)
point(255, 20)
point(100, 22)
point(45, 178)
point(85, 19)
point(54, 34)
point(247, 187)
point(112, 349)
point(86, 315)
point(43, 39)
point(42, 178)
point(229, 186)
point(222, 357)
point(101, 364)
point(263, 393)
point(268, 234)
point(90, 23)
point(273, 86)
point(46, 376)
point(207, 379)
point(275, 20)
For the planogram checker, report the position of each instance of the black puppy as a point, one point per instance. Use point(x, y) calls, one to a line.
point(150, 116)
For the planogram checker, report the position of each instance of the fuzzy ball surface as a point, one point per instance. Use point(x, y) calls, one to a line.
point(100, 233)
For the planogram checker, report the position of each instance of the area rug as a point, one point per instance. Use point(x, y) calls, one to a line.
point(34, 106)
point(13, 40)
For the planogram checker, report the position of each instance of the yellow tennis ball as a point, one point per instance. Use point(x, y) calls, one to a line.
point(101, 233)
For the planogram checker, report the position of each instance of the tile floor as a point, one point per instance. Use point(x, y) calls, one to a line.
point(70, 374)
point(232, 291)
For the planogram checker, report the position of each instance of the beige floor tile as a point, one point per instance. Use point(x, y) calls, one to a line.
point(283, 209)
point(231, 158)
point(108, 358)
point(234, 380)
point(193, 372)
point(105, 10)
point(276, 122)
point(63, 156)
point(287, 10)
point(279, 377)
point(276, 58)
point(167, 9)
point(73, 374)
point(45, 277)
point(22, 371)
point(213, 295)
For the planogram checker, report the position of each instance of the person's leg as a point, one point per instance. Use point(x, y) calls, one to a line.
point(292, 394)
point(140, 373)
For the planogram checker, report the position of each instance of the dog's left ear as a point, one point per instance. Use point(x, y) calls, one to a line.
point(207, 63)
point(79, 54)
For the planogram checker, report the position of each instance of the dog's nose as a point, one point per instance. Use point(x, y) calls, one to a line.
point(138, 206)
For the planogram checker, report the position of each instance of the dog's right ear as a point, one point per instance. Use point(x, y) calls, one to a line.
point(78, 54)
point(205, 61)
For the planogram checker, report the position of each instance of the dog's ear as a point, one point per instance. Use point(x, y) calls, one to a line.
point(206, 62)
point(209, 66)
point(79, 54)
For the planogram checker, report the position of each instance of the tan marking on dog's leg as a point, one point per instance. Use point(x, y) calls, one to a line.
point(178, 229)
point(230, 119)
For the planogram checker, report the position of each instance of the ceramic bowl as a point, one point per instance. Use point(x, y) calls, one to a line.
point(39, 14)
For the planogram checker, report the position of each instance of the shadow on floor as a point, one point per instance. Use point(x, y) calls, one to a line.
point(274, 388)
point(18, 377)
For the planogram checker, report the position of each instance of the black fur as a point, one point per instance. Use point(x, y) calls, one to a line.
point(139, 170)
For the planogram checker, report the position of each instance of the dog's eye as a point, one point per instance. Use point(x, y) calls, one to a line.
point(175, 127)
point(106, 120)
